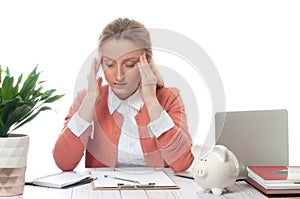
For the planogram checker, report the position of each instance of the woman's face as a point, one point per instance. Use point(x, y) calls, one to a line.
point(119, 62)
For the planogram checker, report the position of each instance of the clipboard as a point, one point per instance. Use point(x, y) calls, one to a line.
point(129, 180)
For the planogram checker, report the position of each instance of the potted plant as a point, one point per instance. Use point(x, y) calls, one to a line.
point(20, 102)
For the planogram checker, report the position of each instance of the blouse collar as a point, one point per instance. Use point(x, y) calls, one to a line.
point(135, 101)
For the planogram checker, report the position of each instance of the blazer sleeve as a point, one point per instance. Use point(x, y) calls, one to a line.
point(175, 144)
point(69, 149)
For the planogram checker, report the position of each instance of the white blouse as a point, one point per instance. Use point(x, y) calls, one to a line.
point(129, 148)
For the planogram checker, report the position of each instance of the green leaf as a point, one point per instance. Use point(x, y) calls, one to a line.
point(47, 94)
point(16, 88)
point(7, 71)
point(22, 102)
point(17, 114)
point(32, 117)
point(0, 74)
point(53, 99)
point(29, 84)
point(5, 109)
point(7, 87)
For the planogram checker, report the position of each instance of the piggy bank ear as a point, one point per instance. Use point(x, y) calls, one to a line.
point(222, 152)
point(196, 150)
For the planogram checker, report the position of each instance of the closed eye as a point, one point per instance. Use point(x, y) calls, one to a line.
point(131, 64)
point(109, 64)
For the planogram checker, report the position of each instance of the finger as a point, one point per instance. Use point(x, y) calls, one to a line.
point(94, 64)
point(143, 59)
point(145, 69)
point(99, 58)
point(97, 66)
point(99, 87)
point(144, 63)
point(142, 69)
point(99, 81)
point(98, 63)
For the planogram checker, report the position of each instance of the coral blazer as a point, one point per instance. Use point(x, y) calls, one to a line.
point(171, 149)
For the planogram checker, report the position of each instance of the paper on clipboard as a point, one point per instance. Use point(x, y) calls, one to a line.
point(146, 180)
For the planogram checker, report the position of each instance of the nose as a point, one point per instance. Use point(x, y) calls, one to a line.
point(120, 73)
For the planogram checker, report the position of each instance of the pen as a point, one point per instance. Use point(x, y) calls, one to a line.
point(117, 178)
point(184, 176)
point(149, 185)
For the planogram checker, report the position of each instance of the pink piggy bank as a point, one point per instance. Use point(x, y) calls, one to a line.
point(216, 171)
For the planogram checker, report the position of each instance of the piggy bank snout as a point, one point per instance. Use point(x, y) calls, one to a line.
point(200, 172)
point(201, 169)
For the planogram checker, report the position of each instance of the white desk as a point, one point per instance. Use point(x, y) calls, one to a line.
point(187, 191)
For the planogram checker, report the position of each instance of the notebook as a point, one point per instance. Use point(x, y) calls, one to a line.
point(276, 177)
point(255, 137)
point(273, 192)
point(62, 180)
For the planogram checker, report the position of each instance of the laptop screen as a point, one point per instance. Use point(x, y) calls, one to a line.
point(255, 137)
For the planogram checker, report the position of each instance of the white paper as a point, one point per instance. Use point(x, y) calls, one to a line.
point(160, 178)
point(294, 174)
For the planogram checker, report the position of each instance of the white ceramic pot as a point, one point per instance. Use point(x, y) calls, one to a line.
point(13, 161)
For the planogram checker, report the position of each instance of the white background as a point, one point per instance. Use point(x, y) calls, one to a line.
point(255, 46)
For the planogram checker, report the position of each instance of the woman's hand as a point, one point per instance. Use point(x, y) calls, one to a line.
point(94, 92)
point(148, 79)
point(94, 83)
point(148, 87)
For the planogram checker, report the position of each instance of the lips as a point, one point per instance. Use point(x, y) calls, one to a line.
point(120, 85)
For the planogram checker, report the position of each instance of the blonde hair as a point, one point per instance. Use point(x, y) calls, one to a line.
point(124, 28)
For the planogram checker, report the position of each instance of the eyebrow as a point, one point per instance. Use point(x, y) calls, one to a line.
point(136, 58)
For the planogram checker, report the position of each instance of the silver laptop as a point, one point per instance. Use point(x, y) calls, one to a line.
point(255, 137)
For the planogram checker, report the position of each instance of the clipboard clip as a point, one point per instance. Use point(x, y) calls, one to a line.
point(136, 186)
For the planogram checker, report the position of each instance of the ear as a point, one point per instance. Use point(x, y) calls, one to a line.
point(196, 150)
point(222, 152)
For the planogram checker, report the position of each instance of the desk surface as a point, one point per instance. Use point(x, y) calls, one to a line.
point(188, 189)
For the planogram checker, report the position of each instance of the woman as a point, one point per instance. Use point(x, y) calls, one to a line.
point(132, 121)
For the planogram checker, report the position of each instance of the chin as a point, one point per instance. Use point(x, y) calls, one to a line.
point(124, 95)
point(121, 94)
